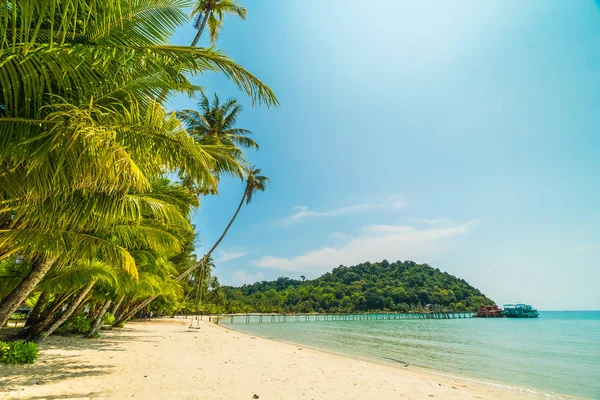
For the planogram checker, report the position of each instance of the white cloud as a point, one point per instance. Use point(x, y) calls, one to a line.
point(303, 212)
point(338, 235)
point(239, 278)
point(229, 255)
point(429, 221)
point(373, 243)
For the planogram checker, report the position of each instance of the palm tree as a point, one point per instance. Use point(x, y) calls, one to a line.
point(254, 182)
point(57, 236)
point(80, 130)
point(198, 285)
point(79, 280)
point(155, 280)
point(217, 120)
point(205, 276)
point(213, 12)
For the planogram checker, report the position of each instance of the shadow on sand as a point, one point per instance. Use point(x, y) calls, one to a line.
point(90, 395)
point(50, 368)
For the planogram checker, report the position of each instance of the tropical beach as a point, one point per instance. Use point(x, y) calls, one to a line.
point(164, 359)
point(299, 199)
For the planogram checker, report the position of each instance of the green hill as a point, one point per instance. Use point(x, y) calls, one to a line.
point(363, 287)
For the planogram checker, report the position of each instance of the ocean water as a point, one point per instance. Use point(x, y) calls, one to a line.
point(558, 352)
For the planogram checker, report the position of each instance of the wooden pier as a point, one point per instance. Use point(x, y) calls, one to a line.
point(332, 317)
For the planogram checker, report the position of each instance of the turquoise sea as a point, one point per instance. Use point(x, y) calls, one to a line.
point(558, 352)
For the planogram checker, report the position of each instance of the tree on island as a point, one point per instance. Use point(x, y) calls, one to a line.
point(382, 286)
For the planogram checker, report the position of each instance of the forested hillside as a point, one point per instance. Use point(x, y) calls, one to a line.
point(364, 287)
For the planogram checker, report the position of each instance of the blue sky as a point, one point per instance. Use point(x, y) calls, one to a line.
point(462, 134)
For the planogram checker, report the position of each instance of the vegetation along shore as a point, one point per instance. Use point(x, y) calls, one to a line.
point(99, 178)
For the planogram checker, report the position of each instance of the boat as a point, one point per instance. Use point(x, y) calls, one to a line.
point(489, 312)
point(520, 310)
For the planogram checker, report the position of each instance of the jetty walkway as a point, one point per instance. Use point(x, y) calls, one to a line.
point(328, 317)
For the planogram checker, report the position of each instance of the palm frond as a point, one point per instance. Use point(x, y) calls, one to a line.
point(70, 246)
point(74, 276)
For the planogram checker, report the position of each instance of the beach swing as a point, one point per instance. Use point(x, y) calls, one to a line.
point(195, 322)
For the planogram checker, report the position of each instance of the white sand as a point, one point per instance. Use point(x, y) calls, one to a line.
point(163, 359)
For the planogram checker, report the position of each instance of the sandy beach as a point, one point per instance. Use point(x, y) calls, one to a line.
point(163, 359)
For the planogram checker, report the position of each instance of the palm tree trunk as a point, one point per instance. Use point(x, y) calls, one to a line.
point(201, 289)
point(93, 314)
point(207, 255)
point(36, 313)
point(97, 324)
point(46, 317)
point(134, 311)
point(123, 310)
point(11, 302)
point(68, 312)
point(115, 308)
point(81, 306)
point(200, 30)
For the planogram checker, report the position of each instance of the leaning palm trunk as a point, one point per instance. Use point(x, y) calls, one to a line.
point(246, 197)
point(115, 308)
point(134, 310)
point(125, 308)
point(67, 314)
point(207, 255)
point(200, 30)
point(11, 302)
point(254, 182)
point(36, 313)
point(199, 289)
point(97, 324)
point(189, 270)
point(46, 317)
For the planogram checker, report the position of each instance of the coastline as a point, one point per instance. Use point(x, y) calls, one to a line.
point(164, 359)
point(528, 392)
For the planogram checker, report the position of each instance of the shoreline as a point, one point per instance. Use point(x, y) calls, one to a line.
point(164, 359)
point(526, 390)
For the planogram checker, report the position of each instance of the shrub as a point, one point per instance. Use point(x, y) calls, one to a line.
point(78, 324)
point(109, 319)
point(94, 335)
point(18, 352)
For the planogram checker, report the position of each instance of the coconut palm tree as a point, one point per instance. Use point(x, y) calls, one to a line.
point(213, 12)
point(217, 120)
point(254, 182)
point(205, 276)
point(78, 280)
point(155, 280)
point(58, 235)
point(80, 129)
point(198, 283)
